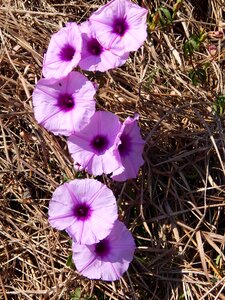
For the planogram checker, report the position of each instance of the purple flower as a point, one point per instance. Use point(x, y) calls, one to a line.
point(64, 105)
point(86, 208)
point(107, 259)
point(120, 25)
point(93, 147)
point(63, 53)
point(95, 57)
point(130, 147)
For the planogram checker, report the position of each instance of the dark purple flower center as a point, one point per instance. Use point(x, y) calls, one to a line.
point(66, 102)
point(125, 146)
point(100, 143)
point(82, 211)
point(67, 52)
point(94, 47)
point(120, 26)
point(102, 248)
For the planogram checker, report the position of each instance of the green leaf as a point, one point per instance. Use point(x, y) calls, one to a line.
point(187, 49)
point(69, 261)
point(193, 77)
point(165, 17)
point(197, 76)
point(76, 294)
point(167, 13)
point(218, 259)
point(219, 105)
point(194, 43)
point(201, 73)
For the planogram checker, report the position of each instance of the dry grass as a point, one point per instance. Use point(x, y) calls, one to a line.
point(175, 209)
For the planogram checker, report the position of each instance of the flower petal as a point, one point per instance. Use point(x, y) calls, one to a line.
point(114, 263)
point(120, 26)
point(72, 112)
point(87, 227)
point(61, 207)
point(63, 53)
point(94, 56)
point(130, 146)
point(80, 144)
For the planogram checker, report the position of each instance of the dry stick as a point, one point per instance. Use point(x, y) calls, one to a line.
point(4, 141)
point(3, 288)
point(131, 284)
point(221, 134)
point(25, 237)
point(174, 51)
point(31, 12)
point(182, 155)
point(122, 280)
point(217, 296)
point(13, 65)
point(217, 249)
point(215, 286)
point(169, 211)
point(184, 288)
point(25, 45)
point(42, 175)
point(205, 207)
point(15, 149)
point(52, 265)
point(206, 257)
point(142, 211)
point(48, 139)
point(110, 295)
point(119, 198)
point(167, 114)
point(20, 40)
point(143, 283)
point(155, 219)
point(202, 253)
point(213, 141)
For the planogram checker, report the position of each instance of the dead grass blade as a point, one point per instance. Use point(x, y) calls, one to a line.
point(202, 253)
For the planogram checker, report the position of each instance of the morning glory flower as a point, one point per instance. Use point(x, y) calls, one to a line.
point(130, 147)
point(95, 57)
point(85, 208)
point(63, 53)
point(120, 25)
point(107, 259)
point(64, 105)
point(93, 147)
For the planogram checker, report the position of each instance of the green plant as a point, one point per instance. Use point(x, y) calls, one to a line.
point(219, 105)
point(194, 43)
point(164, 16)
point(198, 75)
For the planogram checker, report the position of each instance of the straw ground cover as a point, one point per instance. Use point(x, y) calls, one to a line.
point(174, 209)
